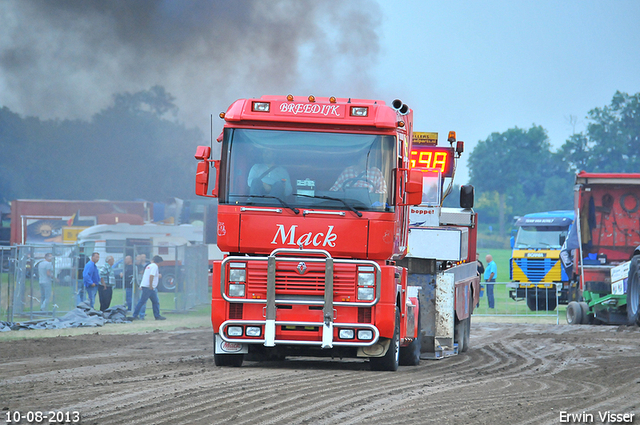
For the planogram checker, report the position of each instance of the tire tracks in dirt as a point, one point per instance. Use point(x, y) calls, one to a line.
point(511, 374)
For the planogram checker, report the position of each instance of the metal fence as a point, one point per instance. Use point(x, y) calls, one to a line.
point(509, 302)
point(24, 295)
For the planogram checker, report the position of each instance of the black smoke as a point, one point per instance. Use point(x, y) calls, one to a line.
point(67, 58)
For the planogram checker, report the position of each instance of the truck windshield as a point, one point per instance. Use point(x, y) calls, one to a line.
point(308, 169)
point(540, 237)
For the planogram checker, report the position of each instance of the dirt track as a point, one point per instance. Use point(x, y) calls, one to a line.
point(512, 374)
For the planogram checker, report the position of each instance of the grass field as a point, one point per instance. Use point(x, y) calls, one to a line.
point(64, 300)
point(507, 310)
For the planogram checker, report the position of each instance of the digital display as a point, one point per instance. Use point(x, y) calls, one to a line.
point(439, 158)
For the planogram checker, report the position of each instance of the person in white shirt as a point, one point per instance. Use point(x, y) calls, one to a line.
point(148, 285)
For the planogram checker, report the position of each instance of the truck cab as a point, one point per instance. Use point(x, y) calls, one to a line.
point(535, 266)
point(314, 197)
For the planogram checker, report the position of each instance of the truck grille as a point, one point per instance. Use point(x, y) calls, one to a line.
point(535, 270)
point(289, 281)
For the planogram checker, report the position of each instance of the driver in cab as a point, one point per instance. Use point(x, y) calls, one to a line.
point(361, 176)
point(267, 178)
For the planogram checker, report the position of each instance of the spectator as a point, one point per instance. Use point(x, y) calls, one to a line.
point(480, 265)
point(141, 265)
point(490, 274)
point(45, 278)
point(107, 283)
point(80, 292)
point(127, 280)
point(91, 278)
point(148, 286)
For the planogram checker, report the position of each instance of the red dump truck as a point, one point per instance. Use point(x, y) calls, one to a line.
point(605, 244)
point(314, 207)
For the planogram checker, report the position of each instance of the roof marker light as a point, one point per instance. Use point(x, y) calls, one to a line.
point(260, 106)
point(312, 98)
point(221, 115)
point(359, 111)
point(290, 97)
point(332, 99)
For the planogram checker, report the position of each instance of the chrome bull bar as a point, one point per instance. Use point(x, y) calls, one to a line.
point(270, 322)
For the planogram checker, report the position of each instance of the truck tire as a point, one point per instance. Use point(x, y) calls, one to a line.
point(467, 333)
point(586, 317)
point(633, 292)
point(459, 332)
point(234, 360)
point(410, 355)
point(575, 314)
point(391, 359)
point(167, 283)
point(64, 278)
point(541, 299)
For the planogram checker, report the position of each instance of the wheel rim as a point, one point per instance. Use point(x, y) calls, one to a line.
point(169, 282)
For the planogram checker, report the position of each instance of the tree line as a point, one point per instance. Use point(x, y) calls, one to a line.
point(516, 172)
point(134, 149)
point(137, 149)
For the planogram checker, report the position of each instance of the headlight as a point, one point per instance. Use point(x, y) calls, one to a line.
point(346, 334)
point(236, 290)
point(237, 275)
point(365, 294)
point(365, 334)
point(234, 331)
point(366, 279)
point(254, 331)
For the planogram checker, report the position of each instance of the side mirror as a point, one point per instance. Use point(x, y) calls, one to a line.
point(512, 241)
point(202, 172)
point(466, 196)
point(203, 152)
point(414, 188)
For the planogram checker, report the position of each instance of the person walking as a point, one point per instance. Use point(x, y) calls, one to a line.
point(45, 279)
point(490, 274)
point(107, 283)
point(91, 278)
point(141, 265)
point(148, 285)
point(127, 280)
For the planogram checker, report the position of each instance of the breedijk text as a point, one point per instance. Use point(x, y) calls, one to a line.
point(306, 239)
point(306, 108)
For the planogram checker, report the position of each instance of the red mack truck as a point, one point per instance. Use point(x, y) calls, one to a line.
point(314, 209)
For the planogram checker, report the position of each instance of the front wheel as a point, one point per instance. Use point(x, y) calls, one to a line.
point(410, 355)
point(575, 314)
point(541, 299)
point(391, 359)
point(234, 360)
point(633, 292)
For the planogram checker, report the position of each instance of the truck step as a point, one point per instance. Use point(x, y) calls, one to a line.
point(440, 353)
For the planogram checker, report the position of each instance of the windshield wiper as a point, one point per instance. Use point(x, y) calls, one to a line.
point(358, 213)
point(284, 204)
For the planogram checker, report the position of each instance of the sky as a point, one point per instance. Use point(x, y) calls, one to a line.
point(475, 67)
